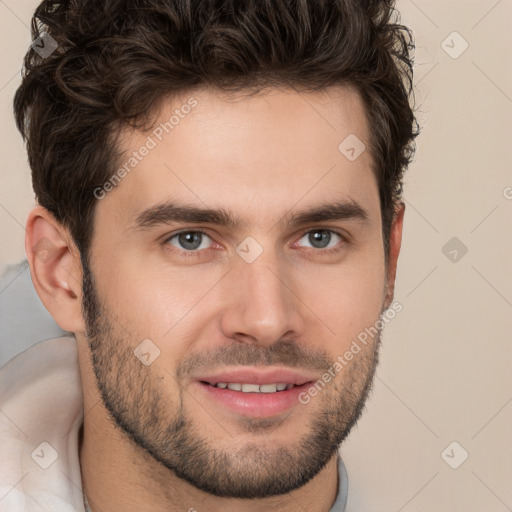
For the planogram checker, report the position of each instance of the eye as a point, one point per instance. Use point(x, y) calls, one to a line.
point(322, 238)
point(190, 240)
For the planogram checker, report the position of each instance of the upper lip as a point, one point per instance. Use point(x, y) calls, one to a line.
point(260, 376)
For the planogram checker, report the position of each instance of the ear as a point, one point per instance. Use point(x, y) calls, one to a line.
point(395, 242)
point(55, 268)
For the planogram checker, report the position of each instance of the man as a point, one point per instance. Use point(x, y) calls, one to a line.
point(218, 220)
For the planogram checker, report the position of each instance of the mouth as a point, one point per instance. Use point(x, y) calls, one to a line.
point(255, 392)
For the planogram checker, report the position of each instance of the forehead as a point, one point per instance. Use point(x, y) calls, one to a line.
point(259, 154)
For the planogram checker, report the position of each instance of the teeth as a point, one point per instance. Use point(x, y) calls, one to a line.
point(254, 388)
point(250, 388)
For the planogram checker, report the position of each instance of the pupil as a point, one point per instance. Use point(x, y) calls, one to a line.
point(320, 239)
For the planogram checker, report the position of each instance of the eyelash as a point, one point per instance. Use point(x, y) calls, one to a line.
point(320, 252)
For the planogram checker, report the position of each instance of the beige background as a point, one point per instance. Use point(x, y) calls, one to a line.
point(446, 364)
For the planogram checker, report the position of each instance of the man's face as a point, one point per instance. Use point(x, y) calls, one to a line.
point(263, 297)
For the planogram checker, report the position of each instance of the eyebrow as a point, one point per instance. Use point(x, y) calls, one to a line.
point(169, 212)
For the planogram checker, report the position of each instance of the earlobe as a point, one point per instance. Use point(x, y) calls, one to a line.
point(55, 268)
point(395, 242)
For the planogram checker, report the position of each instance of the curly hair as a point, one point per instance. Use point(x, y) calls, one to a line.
point(115, 60)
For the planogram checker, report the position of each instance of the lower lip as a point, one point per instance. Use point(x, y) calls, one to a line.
point(256, 405)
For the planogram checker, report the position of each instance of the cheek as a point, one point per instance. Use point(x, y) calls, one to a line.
point(151, 299)
point(347, 299)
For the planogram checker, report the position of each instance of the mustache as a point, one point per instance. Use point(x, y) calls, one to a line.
point(283, 352)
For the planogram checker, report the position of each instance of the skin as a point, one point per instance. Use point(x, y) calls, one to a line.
point(261, 158)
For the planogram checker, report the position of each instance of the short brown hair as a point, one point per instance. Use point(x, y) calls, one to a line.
point(116, 59)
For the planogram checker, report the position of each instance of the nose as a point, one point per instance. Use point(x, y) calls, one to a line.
point(263, 306)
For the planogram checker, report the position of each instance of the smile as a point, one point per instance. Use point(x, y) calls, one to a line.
point(257, 392)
